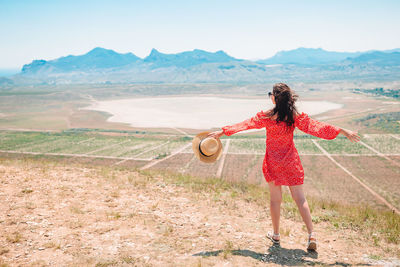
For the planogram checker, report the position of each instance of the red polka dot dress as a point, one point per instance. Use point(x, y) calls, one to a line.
point(282, 162)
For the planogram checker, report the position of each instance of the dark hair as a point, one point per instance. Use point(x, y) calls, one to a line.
point(285, 100)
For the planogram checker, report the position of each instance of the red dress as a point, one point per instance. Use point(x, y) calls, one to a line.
point(282, 162)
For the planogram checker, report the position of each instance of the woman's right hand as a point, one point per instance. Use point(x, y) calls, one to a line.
point(216, 134)
point(352, 136)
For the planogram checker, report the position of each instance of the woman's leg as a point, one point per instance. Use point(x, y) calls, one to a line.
point(275, 192)
point(302, 204)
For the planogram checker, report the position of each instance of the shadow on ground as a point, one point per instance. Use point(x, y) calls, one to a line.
point(279, 255)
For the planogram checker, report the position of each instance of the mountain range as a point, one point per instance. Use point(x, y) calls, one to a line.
point(102, 65)
point(316, 56)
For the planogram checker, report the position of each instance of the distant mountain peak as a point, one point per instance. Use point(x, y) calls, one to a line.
point(187, 58)
point(154, 56)
point(155, 51)
point(221, 52)
point(97, 58)
point(308, 56)
point(100, 50)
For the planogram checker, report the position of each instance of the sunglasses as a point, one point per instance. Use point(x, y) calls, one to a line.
point(270, 94)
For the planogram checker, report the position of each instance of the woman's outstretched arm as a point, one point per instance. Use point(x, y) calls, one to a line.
point(255, 122)
point(322, 129)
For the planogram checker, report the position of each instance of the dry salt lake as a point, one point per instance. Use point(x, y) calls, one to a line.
point(194, 112)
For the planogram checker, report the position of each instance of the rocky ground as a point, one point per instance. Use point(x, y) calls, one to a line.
point(57, 214)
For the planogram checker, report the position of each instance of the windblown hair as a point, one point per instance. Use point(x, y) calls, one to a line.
point(285, 100)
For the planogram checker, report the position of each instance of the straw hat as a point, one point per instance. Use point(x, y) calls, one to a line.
point(207, 149)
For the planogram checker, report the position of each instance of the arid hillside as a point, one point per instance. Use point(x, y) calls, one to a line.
point(58, 213)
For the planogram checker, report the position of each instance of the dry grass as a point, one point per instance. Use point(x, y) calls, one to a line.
point(370, 222)
point(151, 190)
point(14, 237)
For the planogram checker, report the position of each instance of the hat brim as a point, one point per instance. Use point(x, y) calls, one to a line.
point(195, 146)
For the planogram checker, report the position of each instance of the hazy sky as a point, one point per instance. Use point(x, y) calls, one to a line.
point(35, 29)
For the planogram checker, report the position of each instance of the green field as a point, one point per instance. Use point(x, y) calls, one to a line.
point(89, 144)
point(95, 143)
point(243, 162)
point(341, 145)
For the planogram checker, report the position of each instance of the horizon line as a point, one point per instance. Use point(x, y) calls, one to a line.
point(250, 59)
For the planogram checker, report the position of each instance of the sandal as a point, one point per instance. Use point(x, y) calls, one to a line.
point(312, 242)
point(274, 240)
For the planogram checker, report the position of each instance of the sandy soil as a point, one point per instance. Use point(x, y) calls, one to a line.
point(56, 214)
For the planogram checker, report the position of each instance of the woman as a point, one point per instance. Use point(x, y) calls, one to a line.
point(281, 165)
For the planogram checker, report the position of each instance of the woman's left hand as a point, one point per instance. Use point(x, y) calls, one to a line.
point(216, 134)
point(352, 136)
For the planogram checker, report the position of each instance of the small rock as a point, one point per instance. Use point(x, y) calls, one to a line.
point(41, 248)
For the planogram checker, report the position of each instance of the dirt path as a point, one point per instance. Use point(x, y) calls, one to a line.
point(74, 215)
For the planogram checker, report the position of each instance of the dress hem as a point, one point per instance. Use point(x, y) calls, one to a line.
point(286, 184)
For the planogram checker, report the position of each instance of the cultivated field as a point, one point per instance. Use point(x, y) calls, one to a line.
point(370, 160)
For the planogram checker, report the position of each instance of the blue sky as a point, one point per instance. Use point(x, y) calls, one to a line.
point(244, 29)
